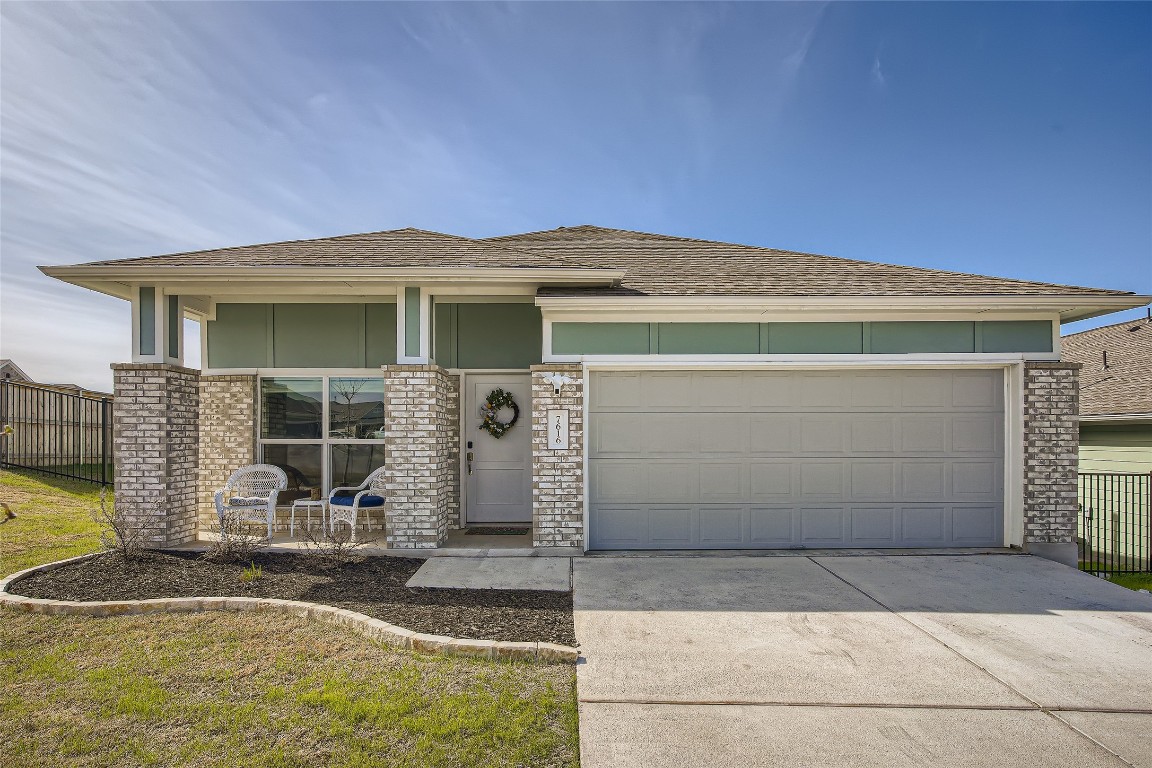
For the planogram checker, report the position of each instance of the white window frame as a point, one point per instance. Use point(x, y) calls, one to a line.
point(324, 441)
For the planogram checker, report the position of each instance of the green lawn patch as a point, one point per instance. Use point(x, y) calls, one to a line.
point(1132, 580)
point(220, 689)
point(53, 519)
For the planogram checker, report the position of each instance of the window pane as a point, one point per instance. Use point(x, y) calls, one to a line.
point(291, 408)
point(356, 408)
point(303, 465)
point(351, 464)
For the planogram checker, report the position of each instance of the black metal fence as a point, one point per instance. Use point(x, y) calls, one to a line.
point(1115, 526)
point(60, 433)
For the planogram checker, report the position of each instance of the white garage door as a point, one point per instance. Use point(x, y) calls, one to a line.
point(777, 459)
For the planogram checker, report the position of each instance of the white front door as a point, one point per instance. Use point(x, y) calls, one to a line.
point(498, 471)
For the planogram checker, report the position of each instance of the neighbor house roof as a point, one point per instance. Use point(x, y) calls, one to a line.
point(1122, 385)
point(664, 265)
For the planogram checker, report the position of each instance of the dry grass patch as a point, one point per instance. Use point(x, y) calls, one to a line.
point(54, 519)
point(255, 690)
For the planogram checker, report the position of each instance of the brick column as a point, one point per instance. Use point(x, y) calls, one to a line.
point(417, 454)
point(1051, 442)
point(227, 437)
point(557, 475)
point(155, 417)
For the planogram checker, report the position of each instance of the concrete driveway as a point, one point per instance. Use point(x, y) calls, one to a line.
point(989, 660)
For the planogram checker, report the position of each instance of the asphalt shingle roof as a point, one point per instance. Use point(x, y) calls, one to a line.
point(656, 265)
point(666, 265)
point(1125, 386)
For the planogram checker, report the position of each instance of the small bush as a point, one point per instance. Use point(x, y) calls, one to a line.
point(331, 548)
point(235, 540)
point(126, 537)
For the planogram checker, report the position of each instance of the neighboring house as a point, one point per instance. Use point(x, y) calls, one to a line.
point(672, 393)
point(9, 371)
point(1115, 396)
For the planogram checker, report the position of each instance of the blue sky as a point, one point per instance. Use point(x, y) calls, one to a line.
point(1009, 139)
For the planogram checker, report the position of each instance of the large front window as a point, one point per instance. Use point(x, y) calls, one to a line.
point(323, 431)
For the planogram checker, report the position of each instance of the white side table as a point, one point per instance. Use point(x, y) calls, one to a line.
point(307, 505)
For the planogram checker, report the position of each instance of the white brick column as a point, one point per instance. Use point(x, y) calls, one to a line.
point(417, 455)
point(1051, 443)
point(155, 422)
point(557, 475)
point(227, 437)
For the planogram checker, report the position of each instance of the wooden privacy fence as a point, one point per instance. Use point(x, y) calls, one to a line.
point(61, 433)
point(1115, 525)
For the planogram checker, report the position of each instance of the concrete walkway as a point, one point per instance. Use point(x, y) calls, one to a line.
point(551, 574)
point(992, 660)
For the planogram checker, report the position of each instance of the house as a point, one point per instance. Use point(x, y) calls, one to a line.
point(668, 393)
point(9, 371)
point(1115, 395)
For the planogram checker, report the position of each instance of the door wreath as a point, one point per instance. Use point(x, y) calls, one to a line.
point(496, 400)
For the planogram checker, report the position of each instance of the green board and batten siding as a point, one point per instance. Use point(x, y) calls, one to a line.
point(1116, 447)
point(302, 336)
point(801, 338)
point(487, 336)
point(467, 336)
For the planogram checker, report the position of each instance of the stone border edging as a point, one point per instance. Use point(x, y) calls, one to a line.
point(374, 629)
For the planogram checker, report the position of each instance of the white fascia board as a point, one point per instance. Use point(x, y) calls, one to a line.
point(411, 275)
point(1113, 418)
point(738, 362)
point(1067, 308)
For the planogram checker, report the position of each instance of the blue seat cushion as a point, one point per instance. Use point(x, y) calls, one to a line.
point(365, 501)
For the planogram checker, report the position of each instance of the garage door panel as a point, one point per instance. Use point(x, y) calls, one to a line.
point(723, 481)
point(620, 390)
point(773, 433)
point(722, 527)
point(821, 433)
point(823, 526)
point(671, 391)
point(978, 389)
point(670, 527)
point(974, 525)
point(797, 458)
point(874, 526)
point(925, 525)
point(771, 481)
point(723, 433)
point(821, 480)
point(721, 391)
point(771, 526)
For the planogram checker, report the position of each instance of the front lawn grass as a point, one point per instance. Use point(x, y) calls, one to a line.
point(1132, 580)
point(224, 689)
point(219, 689)
point(54, 519)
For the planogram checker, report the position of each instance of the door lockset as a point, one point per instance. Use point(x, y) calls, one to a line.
point(470, 456)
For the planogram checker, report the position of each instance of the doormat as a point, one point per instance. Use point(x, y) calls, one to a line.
point(496, 530)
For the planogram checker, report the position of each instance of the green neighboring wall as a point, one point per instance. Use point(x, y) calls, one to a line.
point(302, 336)
point(1116, 448)
point(801, 338)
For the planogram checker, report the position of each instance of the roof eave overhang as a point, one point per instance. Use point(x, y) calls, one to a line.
point(1068, 308)
point(1116, 418)
point(117, 280)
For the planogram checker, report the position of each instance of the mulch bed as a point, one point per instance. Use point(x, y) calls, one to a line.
point(370, 585)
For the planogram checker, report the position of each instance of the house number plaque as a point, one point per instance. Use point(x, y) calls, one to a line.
point(558, 429)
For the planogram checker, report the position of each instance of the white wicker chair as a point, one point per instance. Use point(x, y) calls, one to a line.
point(250, 495)
point(369, 495)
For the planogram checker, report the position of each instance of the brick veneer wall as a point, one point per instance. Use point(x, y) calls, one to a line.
point(1051, 442)
point(227, 436)
point(450, 424)
point(557, 475)
point(154, 435)
point(417, 455)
